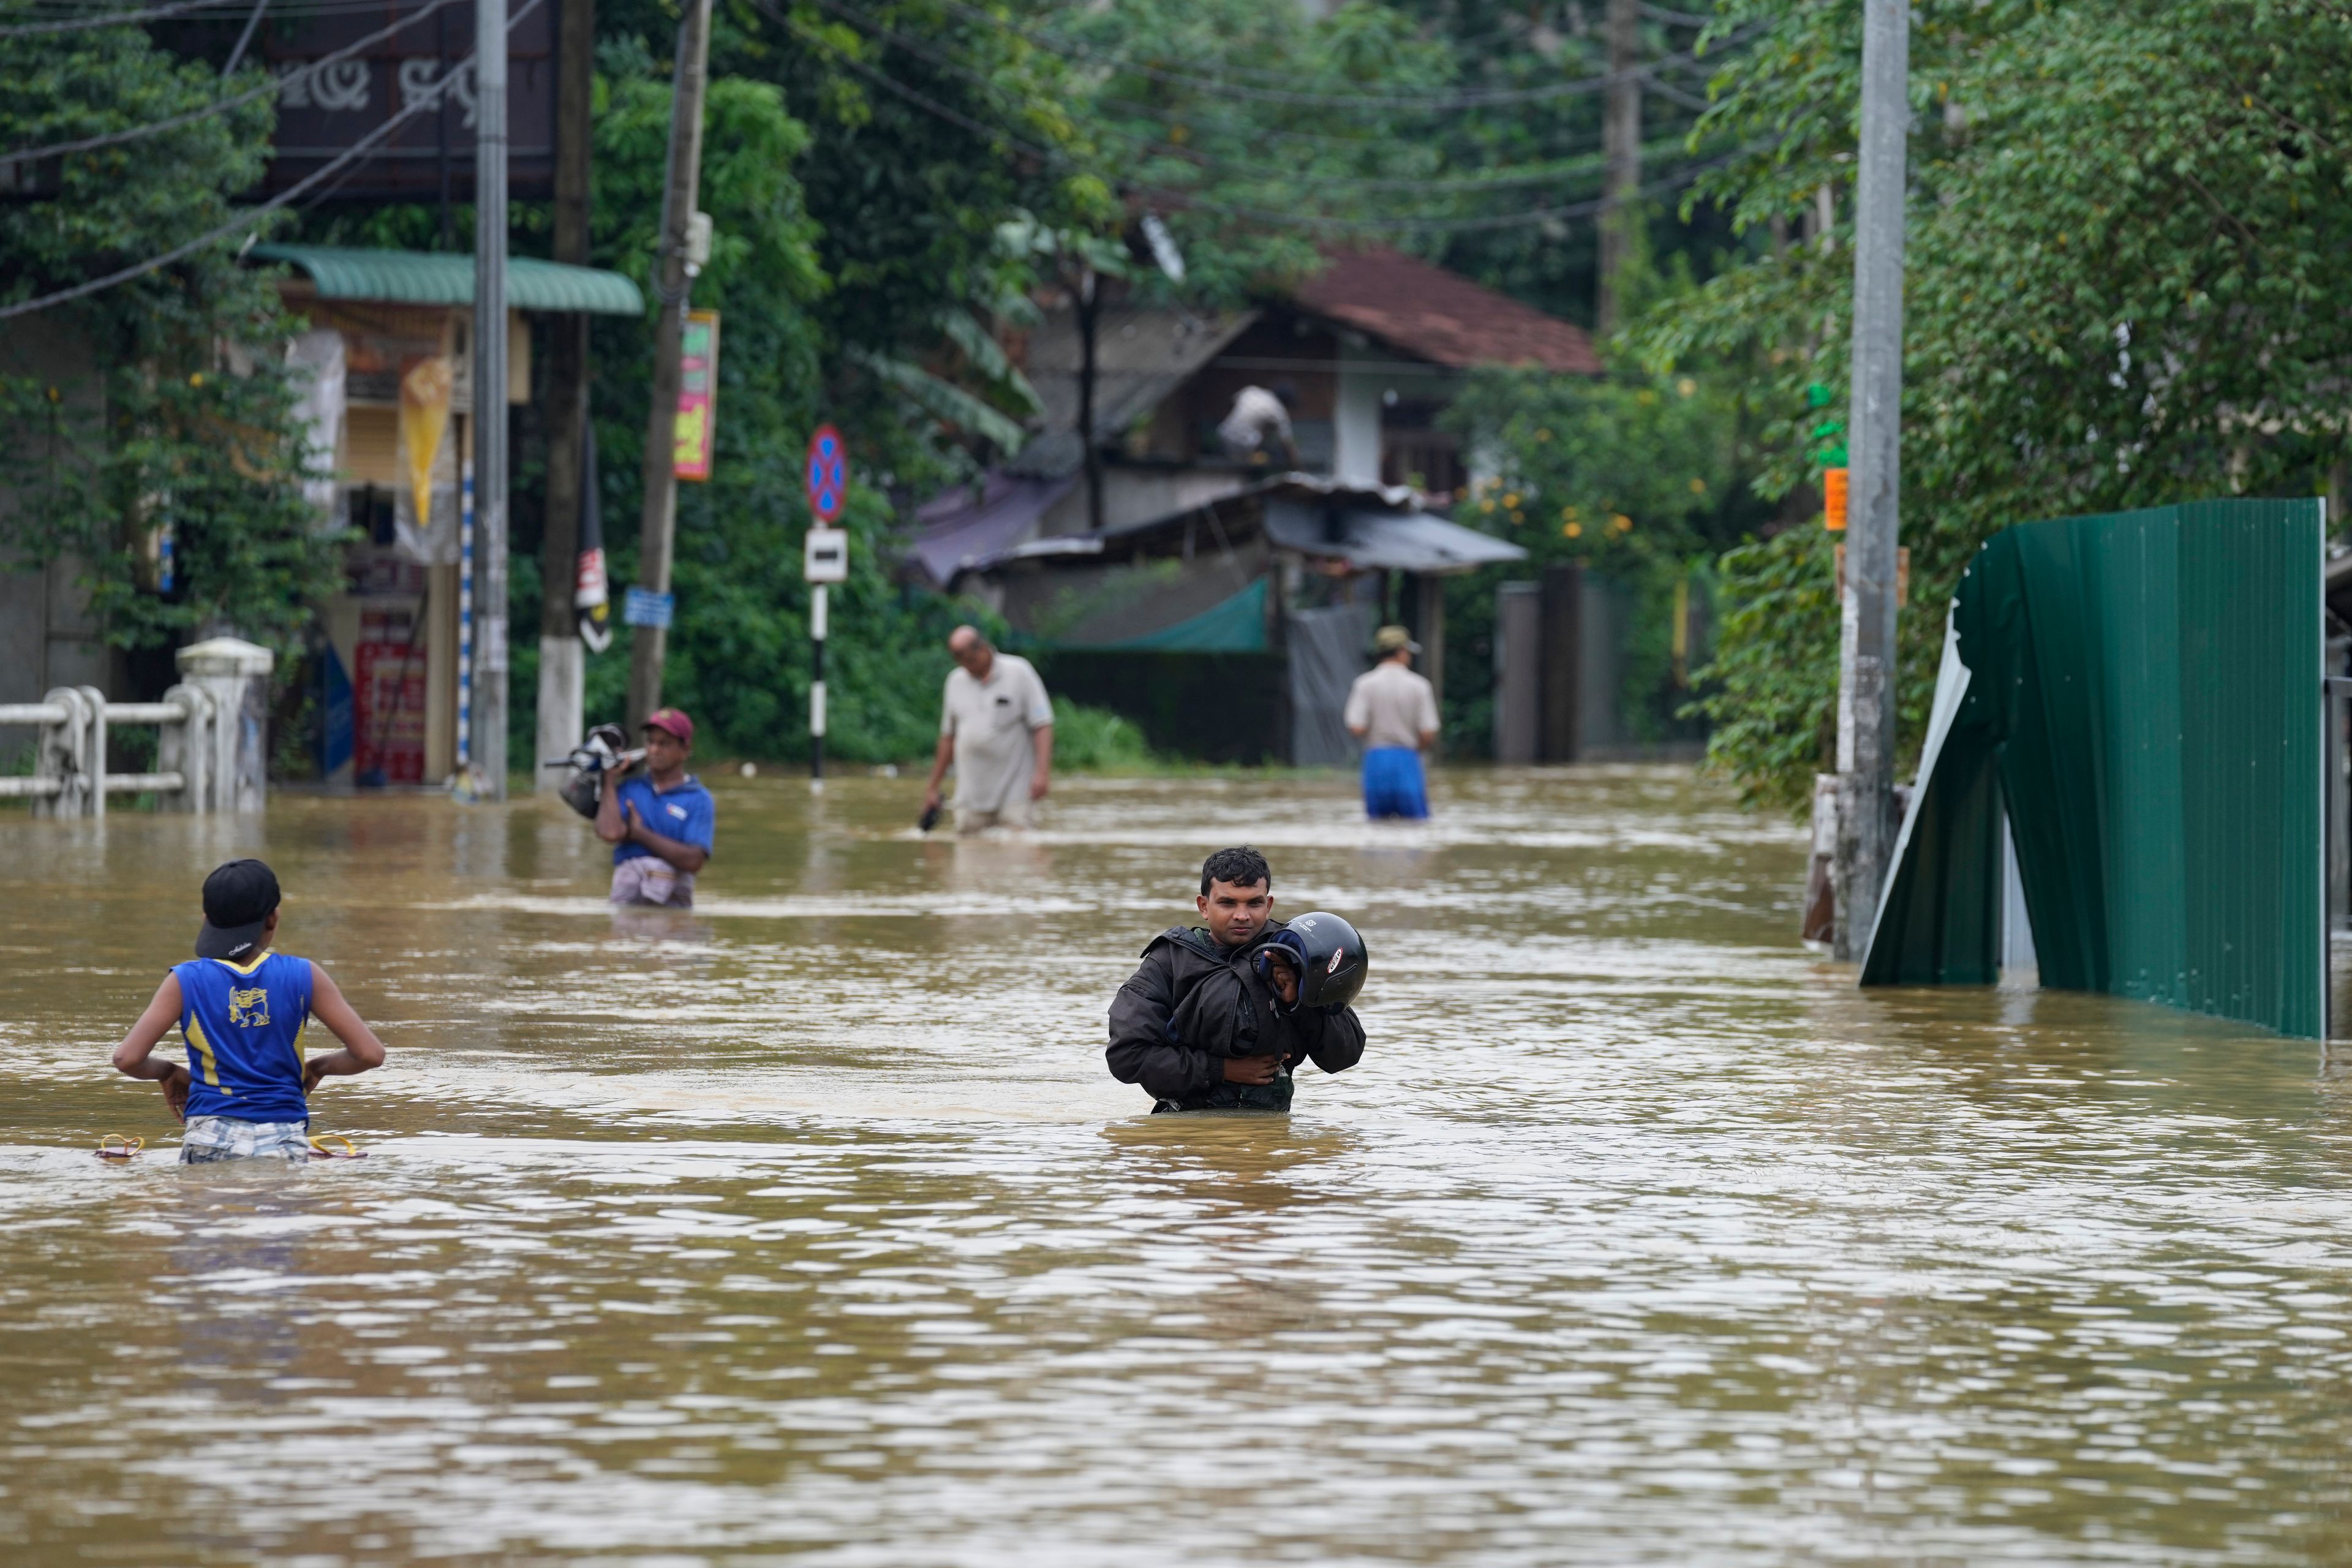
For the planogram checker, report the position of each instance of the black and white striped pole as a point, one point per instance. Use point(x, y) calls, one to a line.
point(825, 561)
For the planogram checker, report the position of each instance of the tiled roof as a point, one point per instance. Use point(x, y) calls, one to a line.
point(1442, 316)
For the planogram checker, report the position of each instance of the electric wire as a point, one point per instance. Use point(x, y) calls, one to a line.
point(254, 215)
point(1201, 158)
point(220, 105)
point(1180, 199)
point(1427, 104)
point(109, 19)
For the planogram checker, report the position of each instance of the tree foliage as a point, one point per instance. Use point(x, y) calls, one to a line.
point(135, 416)
point(2124, 224)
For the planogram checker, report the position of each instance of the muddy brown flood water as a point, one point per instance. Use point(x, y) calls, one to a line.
point(810, 1226)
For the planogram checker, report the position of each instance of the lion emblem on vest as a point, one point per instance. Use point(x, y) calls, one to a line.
point(250, 1009)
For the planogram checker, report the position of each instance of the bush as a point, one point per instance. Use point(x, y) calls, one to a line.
point(1096, 740)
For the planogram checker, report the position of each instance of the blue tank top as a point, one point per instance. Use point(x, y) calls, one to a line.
point(243, 1026)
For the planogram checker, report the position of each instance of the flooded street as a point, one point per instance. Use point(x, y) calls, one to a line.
point(810, 1225)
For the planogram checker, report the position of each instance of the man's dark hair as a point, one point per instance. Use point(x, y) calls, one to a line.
point(1241, 866)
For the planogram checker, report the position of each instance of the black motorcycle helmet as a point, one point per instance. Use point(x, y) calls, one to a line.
point(584, 788)
point(1331, 957)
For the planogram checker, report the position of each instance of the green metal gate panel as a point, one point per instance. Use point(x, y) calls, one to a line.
point(2145, 689)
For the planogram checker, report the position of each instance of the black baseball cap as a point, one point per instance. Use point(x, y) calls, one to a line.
point(238, 898)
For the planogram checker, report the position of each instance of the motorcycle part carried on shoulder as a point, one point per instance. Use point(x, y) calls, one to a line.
point(1332, 957)
point(585, 789)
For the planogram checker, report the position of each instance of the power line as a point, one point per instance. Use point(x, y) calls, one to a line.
point(252, 215)
point(109, 19)
point(1478, 99)
point(222, 105)
point(1199, 157)
point(1185, 199)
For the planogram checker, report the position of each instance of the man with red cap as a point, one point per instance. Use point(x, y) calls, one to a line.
point(660, 824)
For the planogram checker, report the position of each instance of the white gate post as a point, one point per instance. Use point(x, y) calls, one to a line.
point(94, 748)
point(185, 747)
point(63, 746)
point(235, 674)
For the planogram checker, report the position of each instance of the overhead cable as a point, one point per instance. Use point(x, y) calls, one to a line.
point(1181, 199)
point(219, 105)
point(251, 215)
point(1407, 103)
point(1504, 179)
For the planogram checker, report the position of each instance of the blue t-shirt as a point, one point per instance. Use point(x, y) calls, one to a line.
point(244, 1024)
point(686, 814)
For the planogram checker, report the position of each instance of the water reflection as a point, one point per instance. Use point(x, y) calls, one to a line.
point(809, 1223)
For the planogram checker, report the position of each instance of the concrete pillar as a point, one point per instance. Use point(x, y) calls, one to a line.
point(1356, 420)
point(186, 749)
point(562, 675)
point(1518, 664)
point(236, 675)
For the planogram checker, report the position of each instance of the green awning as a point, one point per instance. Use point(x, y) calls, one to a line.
point(418, 277)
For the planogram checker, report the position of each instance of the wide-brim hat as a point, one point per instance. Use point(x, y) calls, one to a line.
point(1394, 639)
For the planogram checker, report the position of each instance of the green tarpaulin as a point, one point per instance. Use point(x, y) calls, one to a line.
point(2140, 694)
point(1236, 625)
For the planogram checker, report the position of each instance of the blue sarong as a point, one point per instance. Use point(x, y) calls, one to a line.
point(1393, 785)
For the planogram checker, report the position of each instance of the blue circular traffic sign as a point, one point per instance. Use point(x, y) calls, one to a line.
point(828, 474)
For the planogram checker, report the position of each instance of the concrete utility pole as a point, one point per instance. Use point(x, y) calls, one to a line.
point(1867, 653)
point(1621, 140)
point(657, 532)
point(562, 661)
point(490, 709)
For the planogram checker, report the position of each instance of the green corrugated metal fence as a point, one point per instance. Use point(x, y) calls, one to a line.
point(2144, 691)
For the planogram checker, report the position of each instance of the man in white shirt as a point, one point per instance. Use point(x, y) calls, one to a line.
point(996, 727)
point(1393, 712)
point(1258, 428)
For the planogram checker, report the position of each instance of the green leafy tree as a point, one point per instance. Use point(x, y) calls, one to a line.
point(2125, 231)
point(160, 411)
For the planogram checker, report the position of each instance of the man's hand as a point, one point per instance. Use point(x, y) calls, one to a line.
point(1283, 978)
point(1251, 1069)
point(175, 1091)
point(631, 825)
point(313, 1071)
point(1038, 786)
point(931, 798)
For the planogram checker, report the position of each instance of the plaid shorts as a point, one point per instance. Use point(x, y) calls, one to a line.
point(211, 1138)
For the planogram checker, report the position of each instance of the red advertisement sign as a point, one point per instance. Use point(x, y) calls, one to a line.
point(388, 699)
point(698, 393)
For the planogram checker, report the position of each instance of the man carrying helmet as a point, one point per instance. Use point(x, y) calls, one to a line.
point(1216, 1016)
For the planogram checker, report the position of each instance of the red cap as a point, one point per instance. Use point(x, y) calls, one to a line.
point(671, 720)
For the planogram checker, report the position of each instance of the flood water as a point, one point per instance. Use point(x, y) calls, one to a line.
point(810, 1226)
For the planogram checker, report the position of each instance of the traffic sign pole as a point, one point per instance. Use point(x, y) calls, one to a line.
point(826, 561)
point(816, 683)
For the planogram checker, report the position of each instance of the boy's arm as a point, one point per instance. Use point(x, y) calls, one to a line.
point(135, 1053)
point(362, 1050)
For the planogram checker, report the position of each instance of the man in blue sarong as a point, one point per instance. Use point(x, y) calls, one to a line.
point(1393, 711)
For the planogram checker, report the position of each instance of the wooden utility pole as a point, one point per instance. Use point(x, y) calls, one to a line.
point(1621, 140)
point(657, 532)
point(562, 659)
point(489, 740)
point(1086, 298)
point(1866, 651)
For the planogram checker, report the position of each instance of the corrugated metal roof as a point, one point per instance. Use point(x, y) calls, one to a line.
point(417, 278)
point(1442, 316)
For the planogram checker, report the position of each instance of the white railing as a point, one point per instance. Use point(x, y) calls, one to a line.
point(70, 777)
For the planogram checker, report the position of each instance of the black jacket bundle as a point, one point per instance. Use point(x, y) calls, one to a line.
point(1193, 1005)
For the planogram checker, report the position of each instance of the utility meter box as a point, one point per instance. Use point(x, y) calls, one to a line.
point(828, 559)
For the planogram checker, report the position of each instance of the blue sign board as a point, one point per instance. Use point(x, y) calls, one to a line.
point(644, 607)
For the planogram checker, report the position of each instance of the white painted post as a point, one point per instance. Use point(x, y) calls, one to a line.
point(94, 748)
point(60, 757)
point(183, 747)
point(235, 674)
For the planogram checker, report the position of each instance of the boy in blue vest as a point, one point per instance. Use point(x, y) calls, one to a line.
point(241, 1008)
